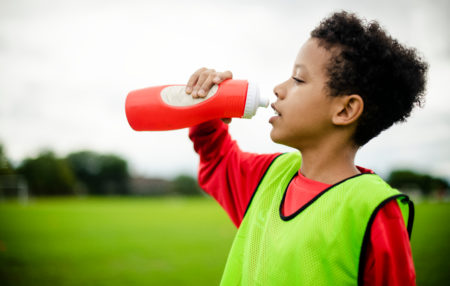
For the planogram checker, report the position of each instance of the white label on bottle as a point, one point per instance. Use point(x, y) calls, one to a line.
point(175, 95)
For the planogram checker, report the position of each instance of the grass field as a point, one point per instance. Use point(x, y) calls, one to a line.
point(144, 241)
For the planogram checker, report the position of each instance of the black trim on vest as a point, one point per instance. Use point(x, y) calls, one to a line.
point(363, 252)
point(289, 217)
point(411, 215)
point(259, 183)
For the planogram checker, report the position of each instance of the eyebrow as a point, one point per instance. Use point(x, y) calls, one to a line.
point(302, 66)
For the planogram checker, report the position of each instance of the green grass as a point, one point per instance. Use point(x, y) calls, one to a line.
point(430, 243)
point(145, 241)
point(114, 242)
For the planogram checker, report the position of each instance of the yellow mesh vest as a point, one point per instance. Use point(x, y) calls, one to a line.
point(321, 244)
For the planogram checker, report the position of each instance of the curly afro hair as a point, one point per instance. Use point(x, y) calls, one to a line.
point(389, 77)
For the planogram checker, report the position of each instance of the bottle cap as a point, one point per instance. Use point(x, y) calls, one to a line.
point(253, 100)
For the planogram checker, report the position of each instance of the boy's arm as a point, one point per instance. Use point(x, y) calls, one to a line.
point(389, 260)
point(225, 172)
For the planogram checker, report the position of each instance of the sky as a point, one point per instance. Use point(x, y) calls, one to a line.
point(67, 66)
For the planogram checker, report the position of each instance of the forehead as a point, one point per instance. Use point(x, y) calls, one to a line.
point(312, 57)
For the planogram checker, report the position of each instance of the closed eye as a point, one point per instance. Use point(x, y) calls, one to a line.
point(298, 80)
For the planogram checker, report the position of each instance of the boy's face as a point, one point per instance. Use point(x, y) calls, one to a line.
point(304, 106)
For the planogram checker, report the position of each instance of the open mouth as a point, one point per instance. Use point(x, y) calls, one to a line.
point(276, 111)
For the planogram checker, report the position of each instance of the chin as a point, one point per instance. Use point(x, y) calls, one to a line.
point(275, 138)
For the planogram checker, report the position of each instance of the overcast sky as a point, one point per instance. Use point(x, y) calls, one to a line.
point(66, 68)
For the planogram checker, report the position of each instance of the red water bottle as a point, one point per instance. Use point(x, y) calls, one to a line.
point(169, 107)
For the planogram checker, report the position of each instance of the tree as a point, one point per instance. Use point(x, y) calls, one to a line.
point(100, 173)
point(114, 174)
point(48, 175)
point(8, 179)
point(185, 185)
point(5, 166)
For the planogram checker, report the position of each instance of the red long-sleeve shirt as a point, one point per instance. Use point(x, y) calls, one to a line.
point(231, 176)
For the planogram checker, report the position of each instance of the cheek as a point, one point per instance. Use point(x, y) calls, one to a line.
point(300, 107)
point(308, 114)
point(313, 104)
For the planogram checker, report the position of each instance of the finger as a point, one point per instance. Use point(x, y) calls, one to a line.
point(221, 76)
point(201, 79)
point(193, 80)
point(226, 120)
point(206, 86)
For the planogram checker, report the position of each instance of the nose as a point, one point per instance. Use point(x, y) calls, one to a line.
point(277, 90)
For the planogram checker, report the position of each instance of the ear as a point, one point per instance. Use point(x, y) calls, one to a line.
point(348, 109)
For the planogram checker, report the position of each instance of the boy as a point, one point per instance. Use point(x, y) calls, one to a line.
point(315, 218)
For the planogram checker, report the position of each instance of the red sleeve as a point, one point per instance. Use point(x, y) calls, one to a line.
point(225, 172)
point(389, 260)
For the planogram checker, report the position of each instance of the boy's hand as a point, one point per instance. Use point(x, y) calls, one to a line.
point(202, 80)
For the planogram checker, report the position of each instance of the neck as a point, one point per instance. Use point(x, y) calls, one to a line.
point(329, 163)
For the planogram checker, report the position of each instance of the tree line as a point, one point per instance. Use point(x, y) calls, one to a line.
point(410, 180)
point(90, 173)
point(85, 173)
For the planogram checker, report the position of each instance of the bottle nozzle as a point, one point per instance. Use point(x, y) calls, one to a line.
point(263, 101)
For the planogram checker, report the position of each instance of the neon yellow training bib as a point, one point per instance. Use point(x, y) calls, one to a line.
point(323, 243)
